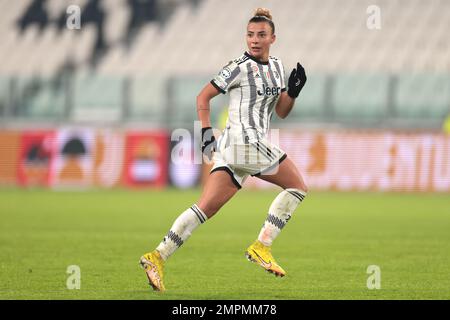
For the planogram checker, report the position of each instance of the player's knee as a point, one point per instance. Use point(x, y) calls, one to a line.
point(300, 185)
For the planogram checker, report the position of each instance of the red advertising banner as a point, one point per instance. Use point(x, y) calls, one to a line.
point(87, 157)
point(73, 166)
point(328, 160)
point(9, 156)
point(184, 172)
point(146, 159)
point(108, 158)
point(369, 161)
point(36, 155)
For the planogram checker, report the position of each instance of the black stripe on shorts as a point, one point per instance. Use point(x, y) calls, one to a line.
point(236, 183)
point(271, 167)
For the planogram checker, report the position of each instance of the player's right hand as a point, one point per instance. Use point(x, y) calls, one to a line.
point(209, 143)
point(296, 81)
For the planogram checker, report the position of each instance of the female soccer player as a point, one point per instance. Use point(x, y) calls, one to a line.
point(256, 84)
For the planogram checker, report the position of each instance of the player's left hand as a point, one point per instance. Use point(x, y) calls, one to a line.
point(296, 81)
point(209, 143)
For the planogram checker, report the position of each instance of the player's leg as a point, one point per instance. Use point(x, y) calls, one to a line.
point(220, 187)
point(287, 177)
point(218, 190)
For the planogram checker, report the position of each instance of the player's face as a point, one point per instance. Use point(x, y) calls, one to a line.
point(259, 39)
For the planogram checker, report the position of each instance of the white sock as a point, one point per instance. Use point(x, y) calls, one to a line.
point(280, 212)
point(181, 230)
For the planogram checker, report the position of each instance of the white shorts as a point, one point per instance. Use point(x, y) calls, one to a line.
point(241, 160)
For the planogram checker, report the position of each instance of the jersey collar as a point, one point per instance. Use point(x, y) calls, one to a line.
point(254, 59)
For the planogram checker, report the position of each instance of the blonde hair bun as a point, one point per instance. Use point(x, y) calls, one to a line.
point(263, 12)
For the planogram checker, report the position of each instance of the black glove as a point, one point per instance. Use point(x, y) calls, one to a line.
point(296, 81)
point(209, 143)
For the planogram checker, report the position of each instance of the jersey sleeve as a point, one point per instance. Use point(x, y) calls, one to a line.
point(227, 78)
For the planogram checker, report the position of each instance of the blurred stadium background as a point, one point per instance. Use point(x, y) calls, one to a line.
point(372, 116)
point(96, 108)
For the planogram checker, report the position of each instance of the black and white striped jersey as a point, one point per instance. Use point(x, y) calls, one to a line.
point(254, 88)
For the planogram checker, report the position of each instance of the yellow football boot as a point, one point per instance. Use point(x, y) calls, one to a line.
point(260, 254)
point(153, 265)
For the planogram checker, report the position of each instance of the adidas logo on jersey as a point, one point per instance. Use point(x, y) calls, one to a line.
point(269, 91)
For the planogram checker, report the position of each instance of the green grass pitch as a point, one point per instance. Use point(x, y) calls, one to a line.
point(325, 248)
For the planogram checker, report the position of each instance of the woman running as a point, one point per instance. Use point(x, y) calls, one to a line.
point(256, 84)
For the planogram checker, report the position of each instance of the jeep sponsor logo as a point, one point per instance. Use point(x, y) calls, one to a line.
point(269, 91)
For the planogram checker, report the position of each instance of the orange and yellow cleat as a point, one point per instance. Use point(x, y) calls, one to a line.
point(260, 254)
point(153, 266)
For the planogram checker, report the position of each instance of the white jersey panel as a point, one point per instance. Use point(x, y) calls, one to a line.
point(254, 88)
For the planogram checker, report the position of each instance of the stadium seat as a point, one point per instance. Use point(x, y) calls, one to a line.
point(97, 98)
point(4, 94)
point(425, 96)
point(361, 97)
point(148, 99)
point(311, 102)
point(184, 94)
point(49, 101)
point(38, 98)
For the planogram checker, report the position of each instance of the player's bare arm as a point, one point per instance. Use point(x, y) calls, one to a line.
point(203, 105)
point(203, 111)
point(284, 105)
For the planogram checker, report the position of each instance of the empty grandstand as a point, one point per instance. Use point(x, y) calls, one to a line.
point(149, 58)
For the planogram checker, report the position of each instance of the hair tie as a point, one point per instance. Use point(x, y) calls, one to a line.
point(262, 17)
